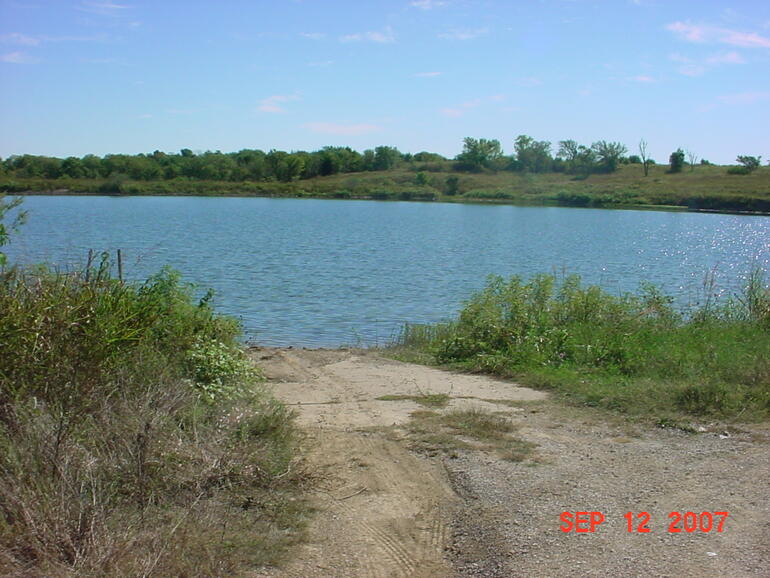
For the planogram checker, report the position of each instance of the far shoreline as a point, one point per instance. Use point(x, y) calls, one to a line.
point(445, 200)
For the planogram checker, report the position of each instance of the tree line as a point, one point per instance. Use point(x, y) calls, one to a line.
point(244, 165)
point(478, 154)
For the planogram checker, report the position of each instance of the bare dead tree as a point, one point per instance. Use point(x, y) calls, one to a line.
point(692, 158)
point(644, 157)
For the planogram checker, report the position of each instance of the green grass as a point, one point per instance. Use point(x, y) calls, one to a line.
point(705, 188)
point(426, 399)
point(632, 354)
point(433, 432)
point(135, 437)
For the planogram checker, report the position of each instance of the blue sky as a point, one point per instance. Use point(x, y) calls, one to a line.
point(130, 76)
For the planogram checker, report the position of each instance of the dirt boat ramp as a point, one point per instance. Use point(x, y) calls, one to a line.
point(569, 491)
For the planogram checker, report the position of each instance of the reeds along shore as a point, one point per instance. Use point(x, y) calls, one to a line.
point(634, 353)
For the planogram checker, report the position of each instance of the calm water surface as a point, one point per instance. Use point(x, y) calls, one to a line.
point(325, 273)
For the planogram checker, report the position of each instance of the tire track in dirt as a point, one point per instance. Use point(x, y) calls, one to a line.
point(400, 524)
point(385, 512)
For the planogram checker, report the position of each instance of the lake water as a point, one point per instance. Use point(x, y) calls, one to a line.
point(327, 273)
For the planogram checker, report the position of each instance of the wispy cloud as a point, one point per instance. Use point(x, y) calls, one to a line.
point(643, 78)
point(744, 39)
point(687, 66)
point(745, 97)
point(274, 104)
point(703, 33)
point(20, 39)
point(692, 67)
point(460, 110)
point(465, 34)
point(384, 36)
point(313, 35)
point(428, 4)
point(105, 8)
point(427, 74)
point(529, 82)
point(342, 129)
point(731, 57)
point(689, 32)
point(99, 60)
point(16, 58)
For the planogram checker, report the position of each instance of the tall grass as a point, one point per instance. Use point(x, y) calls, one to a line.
point(134, 436)
point(634, 353)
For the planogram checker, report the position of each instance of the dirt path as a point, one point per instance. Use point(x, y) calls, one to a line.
point(384, 510)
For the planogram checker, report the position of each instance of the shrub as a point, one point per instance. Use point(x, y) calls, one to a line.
point(749, 163)
point(676, 161)
point(219, 369)
point(612, 350)
point(133, 437)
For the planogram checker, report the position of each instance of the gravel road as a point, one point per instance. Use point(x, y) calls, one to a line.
point(383, 510)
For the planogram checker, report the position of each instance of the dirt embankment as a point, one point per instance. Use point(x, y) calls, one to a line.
point(383, 510)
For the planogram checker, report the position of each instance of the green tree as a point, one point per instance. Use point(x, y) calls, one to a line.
point(676, 161)
point(73, 168)
point(608, 155)
point(385, 158)
point(92, 165)
point(329, 163)
point(452, 185)
point(531, 155)
point(579, 159)
point(478, 153)
point(427, 157)
point(367, 160)
point(568, 150)
point(295, 164)
point(749, 163)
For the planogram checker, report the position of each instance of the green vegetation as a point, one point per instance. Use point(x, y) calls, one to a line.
point(676, 161)
point(432, 432)
point(6, 208)
point(748, 165)
point(634, 353)
point(135, 438)
point(424, 399)
point(599, 175)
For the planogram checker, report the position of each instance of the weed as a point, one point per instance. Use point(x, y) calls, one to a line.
point(432, 433)
point(631, 353)
point(135, 438)
point(426, 400)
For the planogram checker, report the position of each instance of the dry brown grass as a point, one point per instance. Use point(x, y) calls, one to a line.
point(114, 460)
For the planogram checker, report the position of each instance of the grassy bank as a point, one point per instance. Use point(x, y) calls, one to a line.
point(704, 188)
point(135, 438)
point(633, 354)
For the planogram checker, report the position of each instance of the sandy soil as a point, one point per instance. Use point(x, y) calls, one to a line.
point(385, 511)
